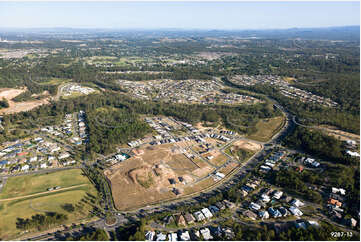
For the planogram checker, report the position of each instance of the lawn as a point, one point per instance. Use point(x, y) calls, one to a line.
point(31, 184)
point(240, 154)
point(53, 202)
point(55, 81)
point(267, 128)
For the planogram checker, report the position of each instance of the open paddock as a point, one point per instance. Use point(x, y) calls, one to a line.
point(26, 196)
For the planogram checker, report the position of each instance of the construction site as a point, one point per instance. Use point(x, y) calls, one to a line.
point(170, 166)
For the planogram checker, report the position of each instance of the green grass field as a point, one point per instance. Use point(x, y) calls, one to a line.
point(267, 128)
point(55, 81)
point(52, 202)
point(31, 184)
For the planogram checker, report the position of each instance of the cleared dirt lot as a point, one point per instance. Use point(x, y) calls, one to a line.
point(247, 145)
point(15, 107)
point(10, 93)
point(339, 134)
point(152, 174)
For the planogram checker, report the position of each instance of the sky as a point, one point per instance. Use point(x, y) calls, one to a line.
point(183, 15)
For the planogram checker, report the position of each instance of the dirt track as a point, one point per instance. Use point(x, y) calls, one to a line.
point(41, 193)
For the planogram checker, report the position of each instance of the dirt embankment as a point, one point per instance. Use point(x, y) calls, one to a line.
point(339, 134)
point(15, 107)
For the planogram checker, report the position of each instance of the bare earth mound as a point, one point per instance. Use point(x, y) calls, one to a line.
point(153, 175)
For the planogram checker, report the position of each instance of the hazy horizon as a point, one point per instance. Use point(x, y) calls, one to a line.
point(179, 15)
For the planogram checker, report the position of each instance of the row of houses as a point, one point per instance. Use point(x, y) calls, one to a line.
point(118, 158)
point(206, 233)
point(31, 154)
point(184, 91)
point(259, 209)
point(272, 161)
point(285, 88)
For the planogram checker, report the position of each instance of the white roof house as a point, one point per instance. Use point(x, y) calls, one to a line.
point(265, 198)
point(297, 203)
point(270, 164)
point(254, 206)
point(25, 168)
point(338, 190)
point(278, 194)
point(120, 157)
point(64, 155)
point(199, 216)
point(295, 211)
point(206, 234)
point(263, 214)
point(185, 236)
point(265, 168)
point(161, 237)
point(207, 213)
point(352, 153)
point(220, 175)
point(33, 159)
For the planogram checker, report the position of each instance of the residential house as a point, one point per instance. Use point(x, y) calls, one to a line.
point(25, 168)
point(220, 205)
point(179, 219)
point(229, 204)
point(295, 211)
point(64, 156)
point(254, 206)
point(199, 216)
point(189, 218)
point(265, 198)
point(250, 214)
point(263, 214)
point(185, 236)
point(277, 195)
point(161, 237)
point(334, 202)
point(168, 219)
point(206, 233)
point(274, 212)
point(207, 213)
point(283, 211)
point(213, 209)
point(33, 159)
point(339, 190)
point(297, 203)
